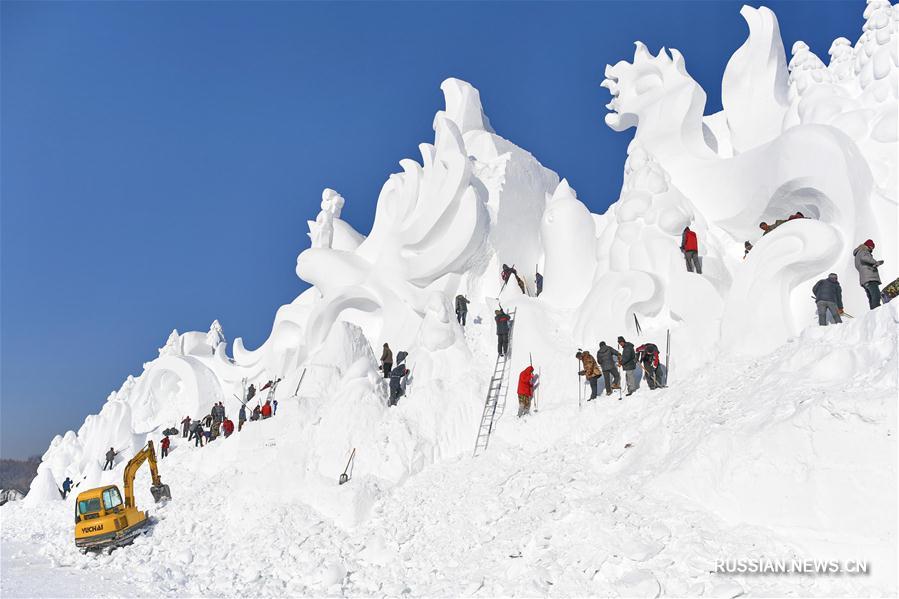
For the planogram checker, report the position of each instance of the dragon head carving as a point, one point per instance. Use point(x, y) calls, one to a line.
point(649, 87)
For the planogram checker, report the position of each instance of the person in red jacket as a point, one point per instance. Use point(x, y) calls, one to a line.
point(527, 380)
point(690, 247)
point(227, 427)
point(165, 445)
point(267, 410)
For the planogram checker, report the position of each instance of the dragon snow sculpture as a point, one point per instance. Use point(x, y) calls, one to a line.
point(767, 173)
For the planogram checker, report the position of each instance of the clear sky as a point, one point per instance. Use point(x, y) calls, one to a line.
point(159, 159)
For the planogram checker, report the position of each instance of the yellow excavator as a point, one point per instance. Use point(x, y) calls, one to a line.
point(103, 520)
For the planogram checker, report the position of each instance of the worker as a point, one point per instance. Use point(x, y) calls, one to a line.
point(241, 417)
point(257, 413)
point(66, 487)
point(227, 427)
point(185, 426)
point(274, 407)
point(387, 361)
point(110, 456)
point(397, 376)
point(164, 444)
point(267, 410)
point(527, 381)
point(251, 392)
point(199, 435)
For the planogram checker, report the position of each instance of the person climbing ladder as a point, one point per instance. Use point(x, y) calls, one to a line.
point(502, 331)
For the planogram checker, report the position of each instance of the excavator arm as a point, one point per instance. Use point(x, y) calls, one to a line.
point(159, 490)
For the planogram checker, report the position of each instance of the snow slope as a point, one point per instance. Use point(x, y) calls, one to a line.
point(776, 437)
point(559, 504)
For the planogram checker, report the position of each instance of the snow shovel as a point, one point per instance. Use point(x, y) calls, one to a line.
point(343, 477)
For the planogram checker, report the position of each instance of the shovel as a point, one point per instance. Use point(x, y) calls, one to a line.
point(343, 477)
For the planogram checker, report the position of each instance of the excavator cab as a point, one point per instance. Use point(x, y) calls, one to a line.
point(104, 519)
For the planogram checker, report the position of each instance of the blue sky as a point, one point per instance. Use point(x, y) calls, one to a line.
point(159, 160)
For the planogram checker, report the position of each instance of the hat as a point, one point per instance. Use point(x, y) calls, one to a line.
point(620, 339)
point(578, 355)
point(832, 275)
point(602, 343)
point(870, 244)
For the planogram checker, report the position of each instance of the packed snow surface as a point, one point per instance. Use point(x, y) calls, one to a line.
point(775, 438)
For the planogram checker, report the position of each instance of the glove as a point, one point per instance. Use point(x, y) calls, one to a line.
point(581, 373)
point(880, 263)
point(839, 310)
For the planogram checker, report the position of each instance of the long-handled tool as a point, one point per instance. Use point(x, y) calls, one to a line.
point(580, 385)
point(297, 390)
point(343, 477)
point(621, 383)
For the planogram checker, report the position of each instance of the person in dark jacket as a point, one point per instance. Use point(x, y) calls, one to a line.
point(110, 458)
point(746, 249)
point(257, 413)
point(591, 371)
point(66, 487)
point(199, 434)
point(241, 417)
point(509, 271)
point(387, 361)
point(766, 228)
point(396, 379)
point(608, 361)
point(502, 331)
point(690, 247)
point(648, 356)
point(461, 309)
point(868, 276)
point(185, 426)
point(628, 362)
point(538, 281)
point(251, 392)
point(829, 298)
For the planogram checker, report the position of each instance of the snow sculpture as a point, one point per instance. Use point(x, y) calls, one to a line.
point(798, 137)
point(172, 345)
point(430, 223)
point(215, 336)
point(322, 230)
point(806, 168)
point(569, 246)
point(754, 87)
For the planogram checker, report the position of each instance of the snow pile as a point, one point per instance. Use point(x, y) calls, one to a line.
point(633, 498)
point(7, 495)
point(767, 418)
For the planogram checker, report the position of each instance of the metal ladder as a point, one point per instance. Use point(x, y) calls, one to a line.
point(499, 387)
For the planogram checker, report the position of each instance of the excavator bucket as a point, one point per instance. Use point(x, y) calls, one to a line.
point(160, 493)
